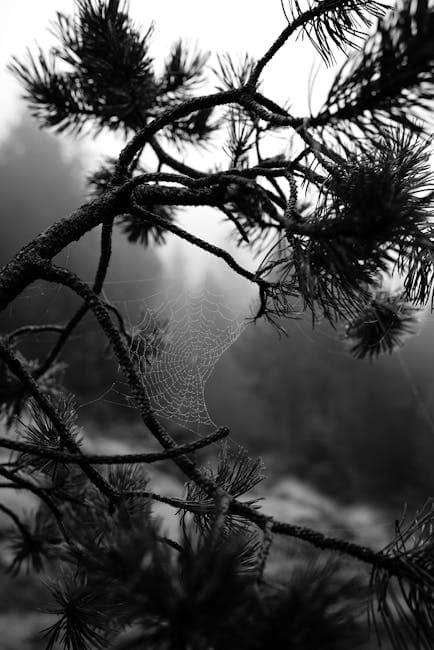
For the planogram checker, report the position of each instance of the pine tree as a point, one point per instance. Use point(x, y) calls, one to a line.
point(349, 206)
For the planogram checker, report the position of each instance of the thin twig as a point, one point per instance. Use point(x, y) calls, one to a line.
point(104, 260)
point(168, 160)
point(113, 459)
point(183, 110)
point(302, 19)
point(33, 329)
point(200, 243)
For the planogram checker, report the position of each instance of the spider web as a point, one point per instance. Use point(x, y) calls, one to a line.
point(176, 347)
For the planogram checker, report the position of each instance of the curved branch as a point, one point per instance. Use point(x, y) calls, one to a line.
point(33, 329)
point(103, 264)
point(20, 271)
point(144, 135)
point(320, 9)
point(114, 459)
point(361, 553)
point(275, 119)
point(61, 276)
point(167, 159)
point(281, 40)
point(200, 243)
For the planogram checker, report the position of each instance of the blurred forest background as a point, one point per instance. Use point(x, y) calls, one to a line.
point(357, 431)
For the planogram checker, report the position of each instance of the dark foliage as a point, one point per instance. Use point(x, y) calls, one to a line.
point(137, 229)
point(391, 77)
point(372, 216)
point(102, 73)
point(13, 397)
point(34, 544)
point(381, 326)
point(236, 474)
point(41, 432)
point(335, 23)
point(283, 617)
point(81, 623)
point(117, 579)
point(405, 605)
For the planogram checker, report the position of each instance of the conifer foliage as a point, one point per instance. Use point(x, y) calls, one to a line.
point(333, 219)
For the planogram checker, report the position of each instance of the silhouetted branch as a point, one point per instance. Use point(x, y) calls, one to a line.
point(114, 459)
point(103, 264)
point(29, 383)
point(200, 243)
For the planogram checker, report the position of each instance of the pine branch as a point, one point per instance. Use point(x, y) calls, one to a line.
point(61, 427)
point(235, 475)
point(168, 117)
point(54, 97)
point(82, 623)
point(389, 79)
point(183, 71)
point(141, 399)
point(111, 81)
point(166, 159)
point(112, 459)
point(330, 256)
point(196, 241)
point(103, 264)
point(326, 17)
point(374, 212)
point(405, 602)
point(232, 75)
point(35, 544)
point(339, 24)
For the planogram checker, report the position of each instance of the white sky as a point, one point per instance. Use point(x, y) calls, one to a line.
point(235, 26)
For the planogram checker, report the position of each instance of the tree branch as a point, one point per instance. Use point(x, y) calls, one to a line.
point(281, 40)
point(200, 243)
point(315, 538)
point(184, 109)
point(167, 159)
point(103, 264)
point(33, 329)
point(29, 383)
point(114, 459)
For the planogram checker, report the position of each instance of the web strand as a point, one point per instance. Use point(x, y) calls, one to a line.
point(176, 347)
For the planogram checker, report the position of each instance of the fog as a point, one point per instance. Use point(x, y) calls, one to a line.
point(358, 430)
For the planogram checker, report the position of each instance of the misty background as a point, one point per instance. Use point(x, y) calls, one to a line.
point(354, 430)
